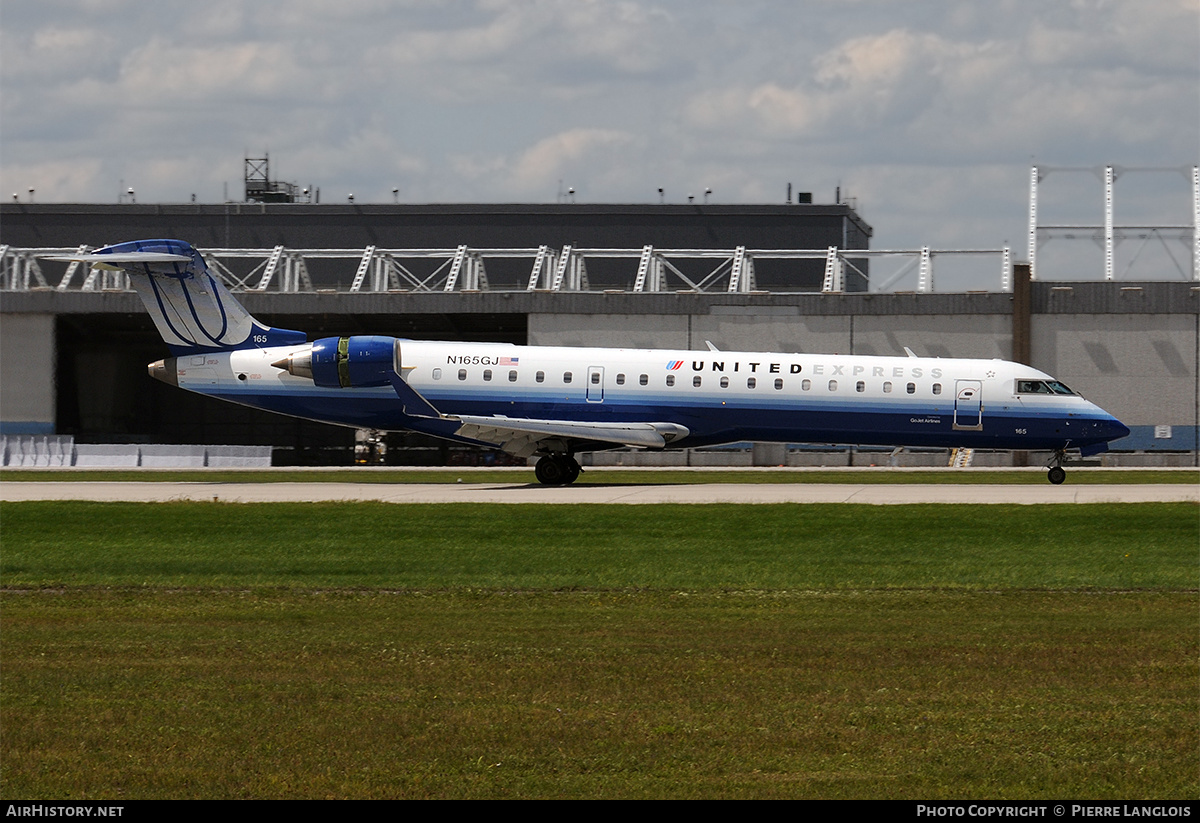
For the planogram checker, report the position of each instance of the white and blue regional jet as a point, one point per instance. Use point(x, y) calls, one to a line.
point(556, 402)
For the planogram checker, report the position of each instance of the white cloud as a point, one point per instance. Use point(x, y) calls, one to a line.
point(52, 177)
point(163, 72)
point(930, 112)
point(569, 153)
point(592, 160)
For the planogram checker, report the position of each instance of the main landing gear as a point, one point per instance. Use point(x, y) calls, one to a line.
point(1057, 474)
point(557, 470)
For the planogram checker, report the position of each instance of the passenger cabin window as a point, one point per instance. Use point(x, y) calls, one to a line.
point(751, 382)
point(860, 386)
point(566, 377)
point(833, 385)
point(937, 388)
point(644, 379)
point(724, 382)
point(778, 383)
point(887, 387)
point(670, 380)
point(512, 376)
point(620, 380)
point(911, 388)
point(437, 374)
point(595, 378)
point(540, 377)
point(462, 374)
point(696, 381)
point(487, 375)
point(805, 384)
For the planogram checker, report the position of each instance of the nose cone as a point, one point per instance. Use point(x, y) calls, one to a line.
point(1105, 429)
point(1099, 432)
point(165, 371)
point(1113, 429)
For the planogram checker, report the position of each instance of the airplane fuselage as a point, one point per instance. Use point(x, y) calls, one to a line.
point(718, 396)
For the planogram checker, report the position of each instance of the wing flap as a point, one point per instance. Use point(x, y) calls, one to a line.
point(521, 436)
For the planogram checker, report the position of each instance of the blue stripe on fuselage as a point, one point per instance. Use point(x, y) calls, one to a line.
point(873, 421)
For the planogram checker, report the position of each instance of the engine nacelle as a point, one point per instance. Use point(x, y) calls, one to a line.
point(361, 361)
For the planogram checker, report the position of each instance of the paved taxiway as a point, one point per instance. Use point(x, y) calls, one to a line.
point(876, 494)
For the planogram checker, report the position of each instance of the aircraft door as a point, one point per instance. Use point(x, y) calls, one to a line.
point(968, 405)
point(595, 384)
point(199, 372)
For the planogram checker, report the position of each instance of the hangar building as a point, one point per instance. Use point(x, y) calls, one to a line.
point(74, 357)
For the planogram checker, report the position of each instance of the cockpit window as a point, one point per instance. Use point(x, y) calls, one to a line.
point(1042, 387)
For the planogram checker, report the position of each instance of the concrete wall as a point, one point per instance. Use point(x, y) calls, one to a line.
point(1142, 367)
point(771, 328)
point(977, 335)
point(27, 364)
point(633, 331)
point(741, 328)
point(782, 328)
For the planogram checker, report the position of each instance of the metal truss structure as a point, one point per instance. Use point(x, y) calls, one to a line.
point(1109, 234)
point(464, 269)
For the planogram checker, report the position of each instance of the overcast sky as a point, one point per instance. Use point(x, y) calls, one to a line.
point(928, 113)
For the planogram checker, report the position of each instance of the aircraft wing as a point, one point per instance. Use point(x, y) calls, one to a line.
point(521, 436)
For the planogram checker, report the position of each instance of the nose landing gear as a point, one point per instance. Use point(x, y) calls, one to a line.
point(1056, 473)
point(557, 470)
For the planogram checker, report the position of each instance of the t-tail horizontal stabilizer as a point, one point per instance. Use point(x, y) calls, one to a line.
point(191, 308)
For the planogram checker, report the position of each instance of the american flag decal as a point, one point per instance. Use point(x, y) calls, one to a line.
point(508, 361)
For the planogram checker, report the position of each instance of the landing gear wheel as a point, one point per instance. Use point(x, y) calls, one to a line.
point(1056, 474)
point(551, 471)
point(573, 470)
point(557, 470)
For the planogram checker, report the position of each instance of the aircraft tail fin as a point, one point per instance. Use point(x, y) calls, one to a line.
point(191, 308)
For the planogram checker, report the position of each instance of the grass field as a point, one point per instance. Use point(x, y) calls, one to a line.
point(372, 650)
